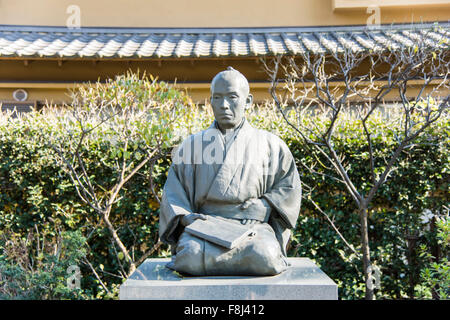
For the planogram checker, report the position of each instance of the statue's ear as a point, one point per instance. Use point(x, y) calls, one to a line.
point(249, 101)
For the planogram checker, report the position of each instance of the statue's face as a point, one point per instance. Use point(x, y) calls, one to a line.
point(229, 100)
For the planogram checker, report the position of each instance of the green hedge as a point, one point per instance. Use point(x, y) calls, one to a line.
point(38, 202)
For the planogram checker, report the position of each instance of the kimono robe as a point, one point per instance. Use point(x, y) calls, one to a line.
point(212, 175)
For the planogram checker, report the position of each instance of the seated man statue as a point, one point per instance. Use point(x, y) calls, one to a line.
point(237, 173)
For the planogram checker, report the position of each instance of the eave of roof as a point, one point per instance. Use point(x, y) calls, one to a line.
point(166, 43)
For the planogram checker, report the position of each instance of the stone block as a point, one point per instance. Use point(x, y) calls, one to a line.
point(303, 280)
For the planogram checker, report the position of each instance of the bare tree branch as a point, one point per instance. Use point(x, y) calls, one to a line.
point(334, 79)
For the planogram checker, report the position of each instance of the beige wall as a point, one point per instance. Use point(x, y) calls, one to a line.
point(199, 92)
point(57, 93)
point(183, 70)
point(215, 13)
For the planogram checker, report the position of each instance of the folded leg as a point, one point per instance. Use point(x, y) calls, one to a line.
point(259, 255)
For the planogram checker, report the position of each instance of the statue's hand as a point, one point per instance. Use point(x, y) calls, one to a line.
point(254, 205)
point(189, 218)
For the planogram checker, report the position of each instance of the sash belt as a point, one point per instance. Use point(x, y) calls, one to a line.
point(233, 211)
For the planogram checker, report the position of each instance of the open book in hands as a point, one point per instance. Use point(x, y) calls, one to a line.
point(220, 231)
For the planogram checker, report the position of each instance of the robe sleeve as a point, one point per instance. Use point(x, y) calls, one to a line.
point(175, 204)
point(285, 197)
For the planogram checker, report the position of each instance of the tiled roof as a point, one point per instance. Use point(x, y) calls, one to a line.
point(136, 43)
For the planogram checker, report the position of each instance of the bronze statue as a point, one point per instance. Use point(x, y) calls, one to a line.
point(232, 194)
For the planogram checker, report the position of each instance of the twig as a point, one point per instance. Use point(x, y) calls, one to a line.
point(334, 227)
point(96, 275)
point(149, 252)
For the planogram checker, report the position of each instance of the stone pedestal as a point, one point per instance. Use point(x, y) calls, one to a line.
point(302, 281)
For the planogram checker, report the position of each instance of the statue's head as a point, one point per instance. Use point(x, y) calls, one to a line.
point(230, 96)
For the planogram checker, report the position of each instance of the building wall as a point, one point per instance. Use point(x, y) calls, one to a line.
point(230, 13)
point(49, 79)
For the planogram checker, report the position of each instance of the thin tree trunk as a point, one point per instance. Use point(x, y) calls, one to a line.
point(435, 252)
point(412, 263)
point(119, 242)
point(366, 253)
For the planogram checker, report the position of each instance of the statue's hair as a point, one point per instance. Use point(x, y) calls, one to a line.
point(228, 74)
